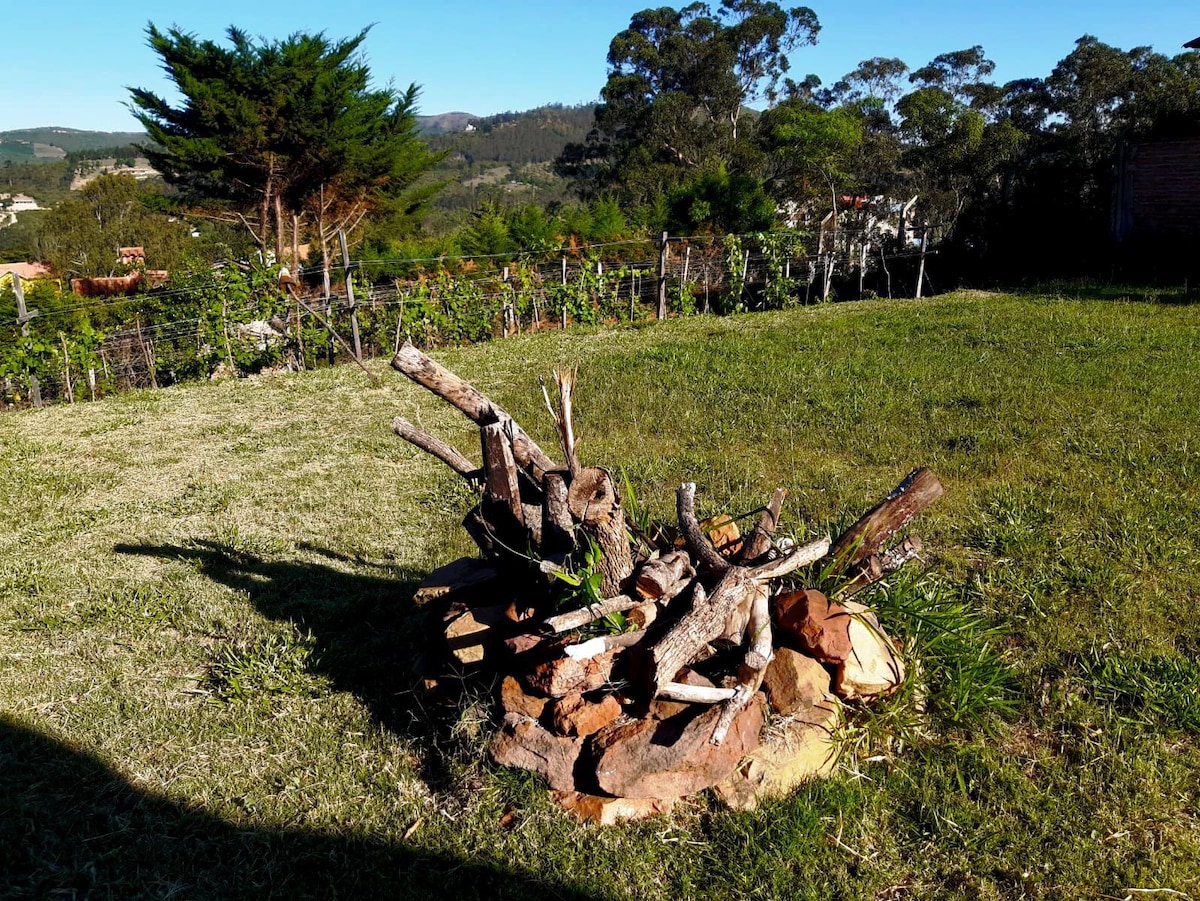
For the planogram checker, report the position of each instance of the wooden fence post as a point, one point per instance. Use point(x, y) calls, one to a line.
point(332, 350)
point(564, 295)
point(350, 295)
point(23, 317)
point(921, 268)
point(67, 368)
point(662, 277)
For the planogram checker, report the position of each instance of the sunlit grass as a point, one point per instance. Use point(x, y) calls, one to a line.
point(206, 646)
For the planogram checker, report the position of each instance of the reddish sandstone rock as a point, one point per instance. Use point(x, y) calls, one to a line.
point(560, 676)
point(607, 811)
point(574, 715)
point(795, 682)
point(521, 742)
point(672, 758)
point(818, 626)
point(514, 699)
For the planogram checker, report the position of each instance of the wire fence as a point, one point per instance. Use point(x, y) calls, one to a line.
point(381, 303)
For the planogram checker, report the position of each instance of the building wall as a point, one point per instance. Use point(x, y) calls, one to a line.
point(1158, 190)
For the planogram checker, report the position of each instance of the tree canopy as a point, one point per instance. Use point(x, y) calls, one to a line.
point(283, 131)
point(678, 85)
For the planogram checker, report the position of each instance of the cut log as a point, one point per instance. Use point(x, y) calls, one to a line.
point(867, 536)
point(592, 497)
point(475, 406)
point(616, 559)
point(665, 576)
point(760, 539)
point(436, 447)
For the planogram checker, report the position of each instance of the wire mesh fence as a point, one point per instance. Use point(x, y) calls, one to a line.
point(383, 303)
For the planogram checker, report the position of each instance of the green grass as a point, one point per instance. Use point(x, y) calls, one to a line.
point(208, 666)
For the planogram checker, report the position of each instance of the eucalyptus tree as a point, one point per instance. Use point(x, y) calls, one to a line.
point(674, 106)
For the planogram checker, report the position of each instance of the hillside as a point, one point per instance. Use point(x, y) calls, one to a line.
point(54, 143)
point(505, 158)
point(211, 675)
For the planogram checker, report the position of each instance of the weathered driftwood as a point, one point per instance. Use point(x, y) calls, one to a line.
point(867, 536)
point(477, 407)
point(695, 694)
point(753, 668)
point(435, 447)
point(574, 619)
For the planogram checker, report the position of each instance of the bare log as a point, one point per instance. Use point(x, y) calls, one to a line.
point(565, 622)
point(796, 558)
point(477, 407)
point(616, 560)
point(436, 447)
point(685, 505)
point(917, 492)
point(643, 614)
point(760, 539)
point(558, 529)
point(753, 668)
point(500, 470)
point(601, 644)
point(704, 622)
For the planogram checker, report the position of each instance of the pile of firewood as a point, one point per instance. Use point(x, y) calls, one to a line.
point(640, 664)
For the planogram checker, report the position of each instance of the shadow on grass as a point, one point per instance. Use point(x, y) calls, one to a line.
point(72, 829)
point(1174, 295)
point(369, 638)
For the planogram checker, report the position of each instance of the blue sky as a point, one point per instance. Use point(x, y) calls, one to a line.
point(68, 63)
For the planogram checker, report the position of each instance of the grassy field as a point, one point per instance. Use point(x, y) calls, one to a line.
point(206, 646)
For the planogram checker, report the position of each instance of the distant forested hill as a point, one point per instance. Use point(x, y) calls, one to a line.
point(506, 159)
point(535, 136)
point(27, 145)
